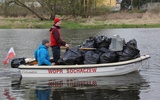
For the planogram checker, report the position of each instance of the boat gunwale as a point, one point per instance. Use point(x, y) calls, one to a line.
point(139, 59)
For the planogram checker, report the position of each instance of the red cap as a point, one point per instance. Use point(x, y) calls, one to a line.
point(56, 20)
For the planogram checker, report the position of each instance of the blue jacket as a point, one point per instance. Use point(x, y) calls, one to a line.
point(42, 55)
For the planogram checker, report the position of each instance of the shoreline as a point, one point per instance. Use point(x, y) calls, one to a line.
point(113, 20)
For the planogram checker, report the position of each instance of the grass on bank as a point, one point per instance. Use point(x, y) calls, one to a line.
point(34, 23)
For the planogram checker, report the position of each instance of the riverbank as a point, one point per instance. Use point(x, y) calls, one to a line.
point(112, 20)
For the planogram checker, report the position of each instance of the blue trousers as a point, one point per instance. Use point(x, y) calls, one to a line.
point(56, 53)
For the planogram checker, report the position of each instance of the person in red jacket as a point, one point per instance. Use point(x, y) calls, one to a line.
point(55, 39)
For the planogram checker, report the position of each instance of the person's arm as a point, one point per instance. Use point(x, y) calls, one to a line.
point(57, 37)
point(43, 58)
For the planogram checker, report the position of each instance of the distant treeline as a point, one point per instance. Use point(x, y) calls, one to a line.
point(84, 8)
point(47, 9)
point(135, 3)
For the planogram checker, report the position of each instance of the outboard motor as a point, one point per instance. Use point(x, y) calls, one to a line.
point(17, 61)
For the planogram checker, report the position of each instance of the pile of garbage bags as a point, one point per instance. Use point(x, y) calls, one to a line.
point(101, 54)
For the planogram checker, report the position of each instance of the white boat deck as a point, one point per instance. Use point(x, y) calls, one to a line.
point(89, 65)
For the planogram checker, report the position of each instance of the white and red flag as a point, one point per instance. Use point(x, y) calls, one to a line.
point(11, 54)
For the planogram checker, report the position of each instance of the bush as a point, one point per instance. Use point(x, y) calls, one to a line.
point(100, 11)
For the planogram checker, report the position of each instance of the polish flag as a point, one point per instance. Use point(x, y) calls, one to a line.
point(11, 54)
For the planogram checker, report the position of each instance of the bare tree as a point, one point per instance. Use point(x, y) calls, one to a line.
point(6, 8)
point(48, 5)
point(50, 8)
point(22, 4)
point(82, 7)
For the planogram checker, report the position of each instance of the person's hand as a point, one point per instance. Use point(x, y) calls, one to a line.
point(53, 64)
point(67, 45)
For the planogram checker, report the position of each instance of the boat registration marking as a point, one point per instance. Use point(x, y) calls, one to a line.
point(71, 71)
point(29, 72)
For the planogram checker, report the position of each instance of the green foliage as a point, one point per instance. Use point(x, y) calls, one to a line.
point(72, 25)
point(32, 23)
point(130, 11)
point(141, 11)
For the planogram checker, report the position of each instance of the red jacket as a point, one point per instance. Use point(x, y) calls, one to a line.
point(55, 37)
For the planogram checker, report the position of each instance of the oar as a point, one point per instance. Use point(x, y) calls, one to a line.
point(81, 48)
point(87, 48)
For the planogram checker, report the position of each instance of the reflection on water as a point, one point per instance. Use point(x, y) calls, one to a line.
point(43, 92)
point(125, 87)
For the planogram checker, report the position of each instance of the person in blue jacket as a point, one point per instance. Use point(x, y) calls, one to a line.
point(42, 54)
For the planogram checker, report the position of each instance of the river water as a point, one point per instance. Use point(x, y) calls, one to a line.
point(142, 85)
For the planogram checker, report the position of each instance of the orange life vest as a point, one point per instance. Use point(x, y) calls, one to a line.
point(53, 41)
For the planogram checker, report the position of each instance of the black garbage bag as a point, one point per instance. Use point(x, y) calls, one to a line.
point(100, 39)
point(132, 44)
point(17, 61)
point(103, 41)
point(102, 50)
point(60, 62)
point(91, 57)
point(72, 56)
point(89, 43)
point(108, 57)
point(130, 51)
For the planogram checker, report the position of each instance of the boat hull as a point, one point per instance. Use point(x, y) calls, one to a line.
point(110, 69)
